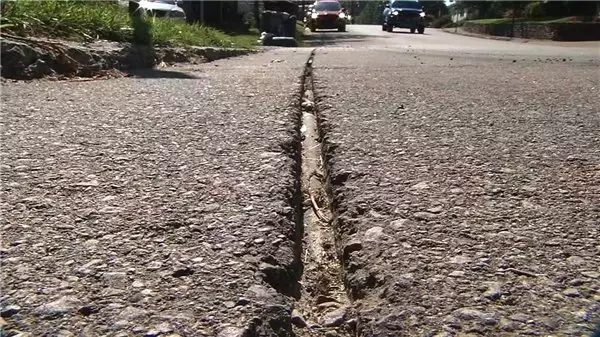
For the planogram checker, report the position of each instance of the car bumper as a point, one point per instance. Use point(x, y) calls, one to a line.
point(327, 22)
point(406, 22)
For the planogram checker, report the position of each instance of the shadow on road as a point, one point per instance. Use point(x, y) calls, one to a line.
point(320, 38)
point(156, 73)
point(407, 32)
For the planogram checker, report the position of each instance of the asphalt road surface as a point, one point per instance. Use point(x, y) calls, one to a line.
point(435, 40)
point(464, 180)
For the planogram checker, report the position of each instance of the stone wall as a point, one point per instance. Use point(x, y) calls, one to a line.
point(568, 31)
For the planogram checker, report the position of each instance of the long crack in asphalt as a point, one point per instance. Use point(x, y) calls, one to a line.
point(321, 271)
point(324, 306)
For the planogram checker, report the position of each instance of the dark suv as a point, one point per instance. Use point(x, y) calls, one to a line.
point(404, 14)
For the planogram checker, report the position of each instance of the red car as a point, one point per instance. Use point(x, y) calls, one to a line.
point(327, 14)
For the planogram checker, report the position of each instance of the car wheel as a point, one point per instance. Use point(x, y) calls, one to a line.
point(342, 28)
point(412, 30)
point(313, 29)
point(389, 28)
point(421, 30)
point(383, 27)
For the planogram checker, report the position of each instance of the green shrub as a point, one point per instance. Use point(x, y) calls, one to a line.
point(508, 14)
point(67, 18)
point(534, 10)
point(371, 14)
point(429, 19)
point(142, 30)
point(442, 21)
point(455, 24)
point(89, 20)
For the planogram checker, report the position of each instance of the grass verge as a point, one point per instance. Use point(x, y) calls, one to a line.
point(89, 20)
point(491, 21)
point(300, 33)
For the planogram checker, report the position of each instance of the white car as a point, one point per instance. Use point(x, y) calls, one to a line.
point(161, 8)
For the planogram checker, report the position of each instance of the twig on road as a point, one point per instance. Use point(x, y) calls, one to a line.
point(316, 174)
point(318, 210)
point(312, 198)
point(522, 272)
point(306, 256)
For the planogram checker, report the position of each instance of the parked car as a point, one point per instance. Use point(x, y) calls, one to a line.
point(327, 14)
point(161, 8)
point(404, 14)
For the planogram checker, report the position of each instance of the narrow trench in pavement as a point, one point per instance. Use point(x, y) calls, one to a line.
point(323, 307)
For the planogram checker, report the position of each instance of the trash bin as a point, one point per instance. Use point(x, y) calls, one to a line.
point(271, 22)
point(278, 23)
point(289, 26)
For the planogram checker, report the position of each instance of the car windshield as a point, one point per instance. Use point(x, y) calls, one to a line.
point(407, 4)
point(170, 2)
point(327, 6)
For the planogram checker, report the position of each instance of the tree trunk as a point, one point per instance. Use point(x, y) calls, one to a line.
point(257, 14)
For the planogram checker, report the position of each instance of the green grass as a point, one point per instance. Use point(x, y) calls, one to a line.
point(300, 33)
point(177, 32)
point(491, 21)
point(559, 20)
point(88, 20)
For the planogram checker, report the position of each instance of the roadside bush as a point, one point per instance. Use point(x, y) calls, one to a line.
point(250, 20)
point(441, 22)
point(66, 18)
point(534, 10)
point(429, 20)
point(370, 15)
point(142, 30)
point(508, 13)
point(455, 24)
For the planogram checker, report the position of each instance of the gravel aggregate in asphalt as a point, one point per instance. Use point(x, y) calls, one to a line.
point(149, 205)
point(467, 190)
point(465, 176)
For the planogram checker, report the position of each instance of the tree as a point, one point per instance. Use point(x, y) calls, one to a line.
point(571, 8)
point(371, 13)
point(498, 8)
point(435, 8)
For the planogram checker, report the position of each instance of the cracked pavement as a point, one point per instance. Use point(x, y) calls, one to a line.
point(465, 176)
point(469, 183)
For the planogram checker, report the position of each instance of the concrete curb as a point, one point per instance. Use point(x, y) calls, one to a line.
point(481, 36)
point(30, 58)
point(212, 53)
